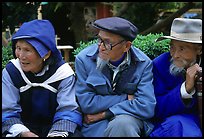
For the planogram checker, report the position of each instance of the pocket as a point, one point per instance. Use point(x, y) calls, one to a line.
point(97, 83)
point(130, 88)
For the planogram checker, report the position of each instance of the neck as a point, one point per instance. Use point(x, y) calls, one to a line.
point(118, 62)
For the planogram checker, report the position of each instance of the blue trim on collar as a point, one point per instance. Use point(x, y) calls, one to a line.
point(118, 62)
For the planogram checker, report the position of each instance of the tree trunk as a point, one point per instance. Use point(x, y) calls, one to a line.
point(123, 9)
point(78, 21)
point(167, 21)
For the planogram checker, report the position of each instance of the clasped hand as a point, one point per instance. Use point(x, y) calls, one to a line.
point(91, 118)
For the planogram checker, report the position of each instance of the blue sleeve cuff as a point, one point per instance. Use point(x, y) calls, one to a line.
point(7, 116)
point(73, 116)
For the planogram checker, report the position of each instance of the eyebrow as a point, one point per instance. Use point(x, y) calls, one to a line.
point(105, 39)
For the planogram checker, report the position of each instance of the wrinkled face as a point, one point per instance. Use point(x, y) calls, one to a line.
point(184, 54)
point(29, 58)
point(106, 40)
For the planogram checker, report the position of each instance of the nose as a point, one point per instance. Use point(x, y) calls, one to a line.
point(176, 54)
point(101, 46)
point(20, 55)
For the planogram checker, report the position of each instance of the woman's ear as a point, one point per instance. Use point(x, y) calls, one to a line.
point(47, 55)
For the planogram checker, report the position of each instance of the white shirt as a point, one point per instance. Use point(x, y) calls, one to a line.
point(184, 93)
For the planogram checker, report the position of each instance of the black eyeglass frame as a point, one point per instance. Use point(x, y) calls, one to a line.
point(110, 44)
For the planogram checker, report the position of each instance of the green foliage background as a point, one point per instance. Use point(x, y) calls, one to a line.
point(7, 55)
point(149, 46)
point(146, 43)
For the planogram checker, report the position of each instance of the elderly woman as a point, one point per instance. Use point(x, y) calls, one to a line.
point(38, 94)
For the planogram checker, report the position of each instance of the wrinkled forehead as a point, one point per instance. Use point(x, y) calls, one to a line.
point(185, 44)
point(108, 35)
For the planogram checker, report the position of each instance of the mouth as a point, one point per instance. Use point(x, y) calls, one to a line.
point(24, 63)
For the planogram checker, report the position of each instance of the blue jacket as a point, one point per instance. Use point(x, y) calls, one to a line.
point(95, 94)
point(40, 105)
point(173, 117)
point(167, 90)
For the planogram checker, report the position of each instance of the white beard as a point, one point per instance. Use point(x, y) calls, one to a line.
point(174, 70)
point(100, 64)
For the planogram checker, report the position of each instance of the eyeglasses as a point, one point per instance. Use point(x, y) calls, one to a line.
point(107, 45)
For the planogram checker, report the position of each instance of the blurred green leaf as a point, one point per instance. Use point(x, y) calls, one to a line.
point(146, 43)
point(7, 55)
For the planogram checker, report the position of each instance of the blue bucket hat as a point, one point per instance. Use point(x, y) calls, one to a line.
point(41, 35)
point(117, 25)
point(39, 47)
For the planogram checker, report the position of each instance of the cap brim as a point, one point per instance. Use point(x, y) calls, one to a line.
point(39, 47)
point(174, 38)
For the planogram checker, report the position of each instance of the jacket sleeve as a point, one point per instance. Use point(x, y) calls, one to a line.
point(67, 116)
point(169, 100)
point(91, 102)
point(10, 106)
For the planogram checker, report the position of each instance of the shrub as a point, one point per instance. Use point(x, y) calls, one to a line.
point(83, 45)
point(149, 46)
point(7, 54)
point(146, 43)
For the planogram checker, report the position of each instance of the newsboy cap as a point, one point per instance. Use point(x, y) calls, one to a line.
point(117, 25)
point(186, 30)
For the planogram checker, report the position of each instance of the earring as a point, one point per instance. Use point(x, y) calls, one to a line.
point(44, 59)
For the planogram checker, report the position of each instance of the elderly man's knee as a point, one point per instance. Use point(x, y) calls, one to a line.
point(121, 120)
point(118, 126)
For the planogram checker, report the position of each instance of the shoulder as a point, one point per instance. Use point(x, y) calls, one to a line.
point(162, 63)
point(5, 74)
point(162, 59)
point(140, 55)
point(88, 51)
point(12, 69)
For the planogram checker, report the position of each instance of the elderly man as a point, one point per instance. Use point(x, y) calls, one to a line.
point(175, 74)
point(114, 83)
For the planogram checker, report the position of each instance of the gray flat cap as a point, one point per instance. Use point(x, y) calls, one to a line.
point(117, 26)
